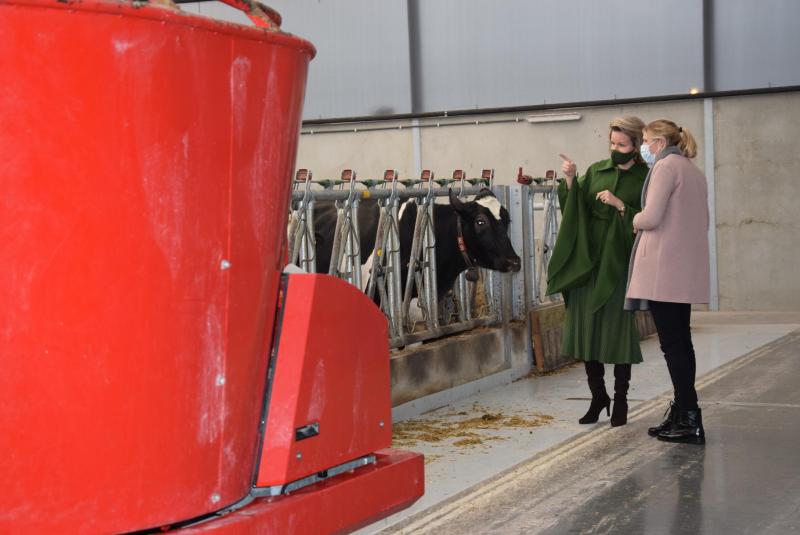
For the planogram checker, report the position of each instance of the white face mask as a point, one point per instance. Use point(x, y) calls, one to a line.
point(647, 156)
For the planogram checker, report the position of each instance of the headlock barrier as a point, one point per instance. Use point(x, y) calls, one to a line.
point(491, 299)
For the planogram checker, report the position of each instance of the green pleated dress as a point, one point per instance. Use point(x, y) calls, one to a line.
point(589, 266)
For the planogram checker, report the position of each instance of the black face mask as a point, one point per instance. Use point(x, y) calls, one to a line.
point(621, 158)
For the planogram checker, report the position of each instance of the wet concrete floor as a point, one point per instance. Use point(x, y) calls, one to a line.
point(746, 479)
point(567, 478)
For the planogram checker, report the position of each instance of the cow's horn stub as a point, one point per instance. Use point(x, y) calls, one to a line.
point(455, 201)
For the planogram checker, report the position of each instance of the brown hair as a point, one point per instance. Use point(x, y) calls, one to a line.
point(674, 135)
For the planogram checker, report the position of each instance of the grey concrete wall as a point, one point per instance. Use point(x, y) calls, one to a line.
point(758, 214)
point(758, 240)
point(535, 147)
point(503, 146)
point(368, 153)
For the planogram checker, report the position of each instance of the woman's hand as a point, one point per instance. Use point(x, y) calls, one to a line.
point(569, 169)
point(606, 197)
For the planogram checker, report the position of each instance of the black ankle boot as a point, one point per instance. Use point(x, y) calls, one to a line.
point(666, 425)
point(688, 429)
point(619, 416)
point(600, 401)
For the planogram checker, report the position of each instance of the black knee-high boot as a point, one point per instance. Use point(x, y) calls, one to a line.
point(600, 399)
point(622, 379)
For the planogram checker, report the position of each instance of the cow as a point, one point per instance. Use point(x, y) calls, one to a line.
point(481, 225)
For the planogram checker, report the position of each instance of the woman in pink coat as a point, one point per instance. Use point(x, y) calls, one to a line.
point(669, 265)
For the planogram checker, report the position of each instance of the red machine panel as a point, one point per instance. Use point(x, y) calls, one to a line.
point(147, 157)
point(329, 400)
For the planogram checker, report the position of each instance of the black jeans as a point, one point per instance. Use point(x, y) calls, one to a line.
point(674, 335)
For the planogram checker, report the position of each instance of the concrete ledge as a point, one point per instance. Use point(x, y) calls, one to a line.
point(420, 406)
point(445, 364)
point(459, 360)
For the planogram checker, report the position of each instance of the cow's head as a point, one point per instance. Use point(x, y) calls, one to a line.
point(485, 226)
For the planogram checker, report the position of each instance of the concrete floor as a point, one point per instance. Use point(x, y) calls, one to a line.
point(567, 478)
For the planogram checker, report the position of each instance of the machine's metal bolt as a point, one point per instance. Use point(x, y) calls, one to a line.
point(215, 498)
point(220, 380)
point(381, 423)
point(299, 455)
point(225, 264)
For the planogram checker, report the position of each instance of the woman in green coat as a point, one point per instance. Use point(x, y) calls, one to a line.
point(589, 265)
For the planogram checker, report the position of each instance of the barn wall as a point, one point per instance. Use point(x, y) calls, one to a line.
point(756, 226)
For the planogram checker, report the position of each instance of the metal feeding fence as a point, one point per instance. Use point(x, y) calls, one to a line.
point(490, 300)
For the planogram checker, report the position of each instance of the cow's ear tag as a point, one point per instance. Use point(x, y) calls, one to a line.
point(472, 275)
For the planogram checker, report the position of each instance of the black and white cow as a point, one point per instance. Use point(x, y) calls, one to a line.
point(483, 230)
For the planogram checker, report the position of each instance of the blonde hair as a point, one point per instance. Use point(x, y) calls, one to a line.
point(629, 125)
point(674, 135)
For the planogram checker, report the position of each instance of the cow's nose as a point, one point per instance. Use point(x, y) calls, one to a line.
point(515, 264)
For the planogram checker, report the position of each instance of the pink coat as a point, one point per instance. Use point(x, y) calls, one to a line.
point(671, 260)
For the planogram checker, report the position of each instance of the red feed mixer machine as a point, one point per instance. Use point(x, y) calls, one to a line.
point(158, 369)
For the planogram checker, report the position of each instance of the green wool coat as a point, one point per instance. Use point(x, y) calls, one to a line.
point(589, 265)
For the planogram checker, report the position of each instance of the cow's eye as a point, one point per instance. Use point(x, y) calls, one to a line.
point(480, 222)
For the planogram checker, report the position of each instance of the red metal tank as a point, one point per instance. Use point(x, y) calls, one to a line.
point(146, 164)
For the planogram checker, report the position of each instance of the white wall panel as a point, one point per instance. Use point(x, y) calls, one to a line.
point(477, 53)
point(756, 43)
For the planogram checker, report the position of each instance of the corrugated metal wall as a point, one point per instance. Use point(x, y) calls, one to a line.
point(400, 56)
